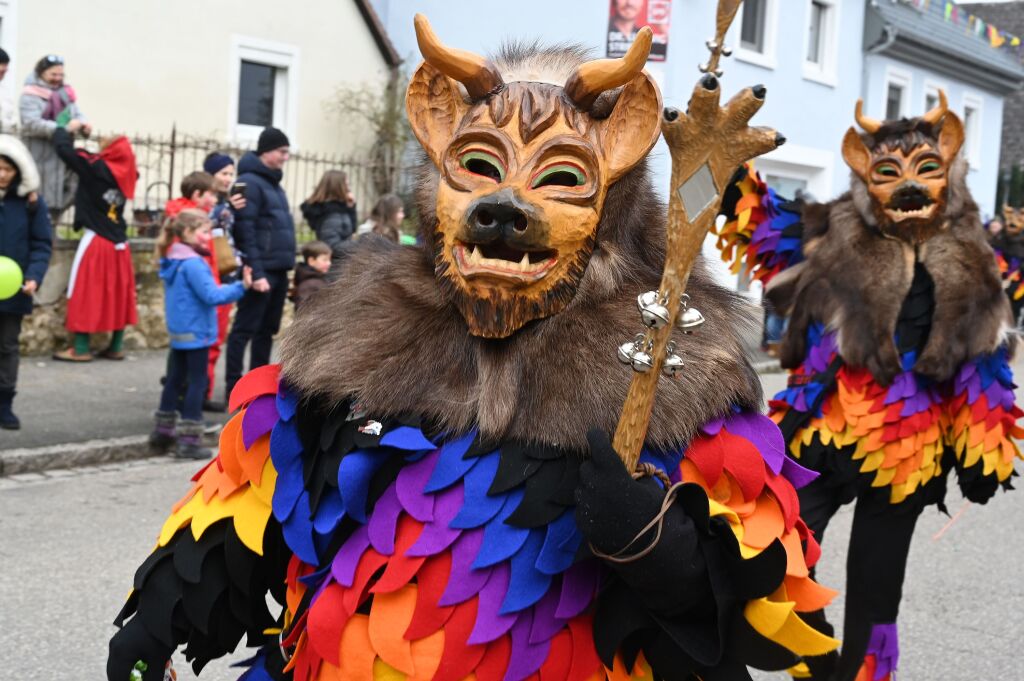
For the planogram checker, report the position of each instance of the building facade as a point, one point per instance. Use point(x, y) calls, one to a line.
point(817, 57)
point(911, 52)
point(1008, 16)
point(221, 70)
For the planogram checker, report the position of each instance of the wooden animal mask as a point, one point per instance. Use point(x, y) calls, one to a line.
point(1013, 219)
point(905, 165)
point(524, 170)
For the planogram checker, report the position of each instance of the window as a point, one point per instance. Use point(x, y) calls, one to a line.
point(820, 51)
point(815, 39)
point(263, 88)
point(972, 130)
point(256, 94)
point(757, 21)
point(931, 93)
point(896, 100)
point(752, 30)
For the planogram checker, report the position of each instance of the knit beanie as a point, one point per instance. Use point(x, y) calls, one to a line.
point(217, 162)
point(270, 139)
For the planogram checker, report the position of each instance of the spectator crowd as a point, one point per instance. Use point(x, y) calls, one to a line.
point(228, 241)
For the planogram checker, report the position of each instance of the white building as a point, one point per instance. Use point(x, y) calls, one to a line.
point(221, 69)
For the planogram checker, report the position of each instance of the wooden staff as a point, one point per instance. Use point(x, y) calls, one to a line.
point(707, 144)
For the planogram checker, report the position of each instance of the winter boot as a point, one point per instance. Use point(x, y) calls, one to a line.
point(162, 437)
point(190, 441)
point(8, 421)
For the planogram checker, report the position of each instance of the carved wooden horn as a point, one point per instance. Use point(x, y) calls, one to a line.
point(592, 78)
point(478, 74)
point(935, 116)
point(867, 124)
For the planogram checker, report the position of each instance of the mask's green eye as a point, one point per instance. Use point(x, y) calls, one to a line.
point(929, 167)
point(887, 170)
point(480, 162)
point(560, 175)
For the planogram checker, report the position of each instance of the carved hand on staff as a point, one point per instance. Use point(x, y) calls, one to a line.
point(718, 135)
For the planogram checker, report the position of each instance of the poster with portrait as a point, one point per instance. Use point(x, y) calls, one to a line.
point(626, 17)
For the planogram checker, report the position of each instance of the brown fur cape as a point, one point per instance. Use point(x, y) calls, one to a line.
point(385, 333)
point(854, 280)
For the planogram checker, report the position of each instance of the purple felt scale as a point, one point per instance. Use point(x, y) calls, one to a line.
point(490, 623)
point(465, 581)
point(343, 568)
point(409, 487)
point(437, 535)
point(259, 419)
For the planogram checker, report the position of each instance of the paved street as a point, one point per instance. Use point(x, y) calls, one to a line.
point(72, 539)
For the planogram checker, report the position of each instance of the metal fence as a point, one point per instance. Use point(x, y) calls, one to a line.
point(163, 160)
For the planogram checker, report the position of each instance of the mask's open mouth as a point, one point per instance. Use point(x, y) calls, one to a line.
point(910, 205)
point(500, 260)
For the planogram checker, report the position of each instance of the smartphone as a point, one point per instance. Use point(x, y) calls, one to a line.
point(238, 188)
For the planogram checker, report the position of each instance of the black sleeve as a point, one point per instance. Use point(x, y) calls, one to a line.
point(65, 146)
point(203, 594)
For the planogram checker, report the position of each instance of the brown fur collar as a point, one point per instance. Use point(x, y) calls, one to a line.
point(854, 280)
point(385, 333)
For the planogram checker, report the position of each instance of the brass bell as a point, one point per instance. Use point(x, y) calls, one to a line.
point(672, 366)
point(642, 362)
point(626, 352)
point(690, 319)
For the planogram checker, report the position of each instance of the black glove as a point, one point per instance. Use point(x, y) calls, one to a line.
point(612, 509)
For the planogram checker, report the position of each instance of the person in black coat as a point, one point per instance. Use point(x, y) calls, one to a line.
point(265, 236)
point(331, 210)
point(25, 238)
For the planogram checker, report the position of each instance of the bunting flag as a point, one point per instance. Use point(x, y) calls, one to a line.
point(973, 25)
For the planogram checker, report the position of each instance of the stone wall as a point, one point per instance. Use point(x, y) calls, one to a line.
point(43, 331)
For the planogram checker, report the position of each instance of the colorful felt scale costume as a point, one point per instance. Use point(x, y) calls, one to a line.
point(898, 352)
point(1009, 247)
point(426, 482)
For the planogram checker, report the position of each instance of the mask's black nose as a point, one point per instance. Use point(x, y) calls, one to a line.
point(494, 219)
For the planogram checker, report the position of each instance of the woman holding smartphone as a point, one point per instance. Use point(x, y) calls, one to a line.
point(229, 195)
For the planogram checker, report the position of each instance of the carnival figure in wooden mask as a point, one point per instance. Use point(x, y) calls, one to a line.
point(525, 168)
point(1008, 245)
point(1013, 219)
point(427, 484)
point(898, 348)
point(906, 166)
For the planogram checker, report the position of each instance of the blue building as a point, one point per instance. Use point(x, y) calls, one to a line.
point(910, 53)
point(816, 57)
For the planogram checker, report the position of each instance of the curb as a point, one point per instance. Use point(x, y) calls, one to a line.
point(79, 454)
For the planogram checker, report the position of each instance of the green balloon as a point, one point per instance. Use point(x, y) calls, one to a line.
point(10, 278)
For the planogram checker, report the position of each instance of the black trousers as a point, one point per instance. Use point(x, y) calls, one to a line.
point(257, 319)
point(876, 564)
point(186, 373)
point(10, 329)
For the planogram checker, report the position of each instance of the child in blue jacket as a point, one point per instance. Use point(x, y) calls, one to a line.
point(191, 297)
